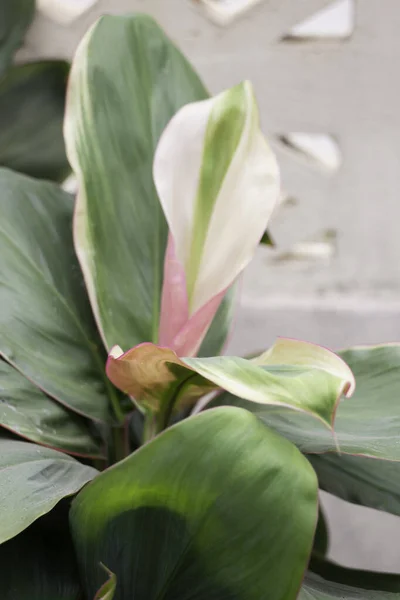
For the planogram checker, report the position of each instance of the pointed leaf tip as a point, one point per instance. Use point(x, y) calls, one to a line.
point(300, 353)
point(116, 352)
point(218, 183)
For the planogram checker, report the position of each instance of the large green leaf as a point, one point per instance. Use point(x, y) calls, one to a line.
point(15, 17)
point(368, 424)
point(127, 81)
point(215, 507)
point(32, 101)
point(46, 327)
point(360, 480)
point(40, 563)
point(28, 412)
point(33, 479)
point(328, 581)
point(373, 420)
point(311, 381)
point(366, 429)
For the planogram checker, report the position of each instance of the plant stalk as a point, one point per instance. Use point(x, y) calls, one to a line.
point(118, 444)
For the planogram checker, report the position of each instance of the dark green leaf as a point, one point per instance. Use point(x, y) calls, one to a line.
point(371, 420)
point(360, 480)
point(15, 18)
point(28, 412)
point(40, 563)
point(127, 81)
point(33, 479)
point(32, 101)
point(321, 537)
point(216, 507)
point(46, 327)
point(327, 581)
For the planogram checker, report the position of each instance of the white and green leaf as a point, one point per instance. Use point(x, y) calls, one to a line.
point(218, 183)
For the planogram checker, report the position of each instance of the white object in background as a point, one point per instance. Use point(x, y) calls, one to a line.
point(337, 20)
point(319, 148)
point(321, 246)
point(224, 12)
point(70, 184)
point(64, 11)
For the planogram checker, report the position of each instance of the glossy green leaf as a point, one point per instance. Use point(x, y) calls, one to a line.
point(215, 507)
point(366, 429)
point(357, 477)
point(15, 18)
point(33, 479)
point(28, 412)
point(46, 327)
point(368, 424)
point(373, 422)
point(40, 563)
point(127, 81)
point(311, 381)
point(360, 480)
point(328, 581)
point(32, 101)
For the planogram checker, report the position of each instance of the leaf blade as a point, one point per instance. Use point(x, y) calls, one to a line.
point(367, 471)
point(28, 412)
point(16, 17)
point(154, 376)
point(113, 162)
point(329, 581)
point(40, 562)
point(47, 330)
point(32, 101)
point(34, 480)
point(156, 498)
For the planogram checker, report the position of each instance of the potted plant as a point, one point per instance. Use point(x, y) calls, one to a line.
point(136, 461)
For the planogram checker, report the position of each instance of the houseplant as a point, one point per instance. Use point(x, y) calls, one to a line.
point(220, 504)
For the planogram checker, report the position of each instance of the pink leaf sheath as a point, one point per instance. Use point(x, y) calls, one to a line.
point(179, 331)
point(174, 299)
